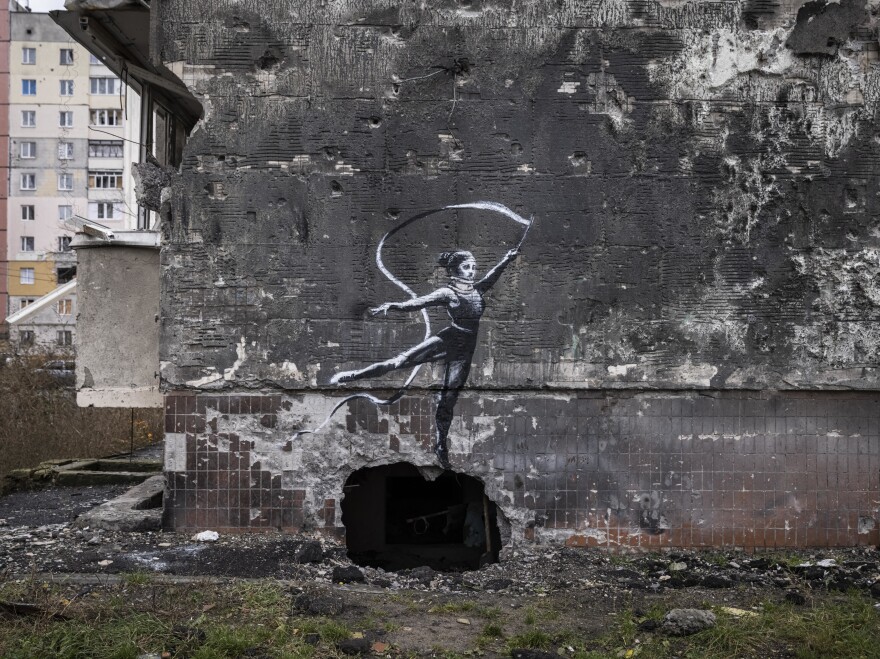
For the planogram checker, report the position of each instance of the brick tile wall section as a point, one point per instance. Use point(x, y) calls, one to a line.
point(592, 469)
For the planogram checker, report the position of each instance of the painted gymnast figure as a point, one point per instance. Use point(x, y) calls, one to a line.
point(453, 345)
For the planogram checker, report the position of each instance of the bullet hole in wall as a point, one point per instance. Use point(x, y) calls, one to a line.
point(396, 520)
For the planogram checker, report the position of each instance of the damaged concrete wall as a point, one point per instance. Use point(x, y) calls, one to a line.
point(702, 177)
point(119, 307)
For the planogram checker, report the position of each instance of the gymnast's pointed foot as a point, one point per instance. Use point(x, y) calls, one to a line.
point(442, 454)
point(342, 377)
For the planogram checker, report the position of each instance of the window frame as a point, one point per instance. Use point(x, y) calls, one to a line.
point(65, 87)
point(65, 307)
point(32, 179)
point(65, 150)
point(64, 243)
point(28, 87)
point(31, 147)
point(61, 117)
point(107, 82)
point(25, 51)
point(62, 58)
point(32, 212)
point(106, 113)
point(64, 338)
point(26, 276)
point(102, 148)
point(32, 115)
point(101, 208)
point(62, 217)
point(27, 244)
point(66, 176)
point(114, 175)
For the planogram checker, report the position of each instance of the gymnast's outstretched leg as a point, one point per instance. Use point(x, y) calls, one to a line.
point(454, 380)
point(427, 351)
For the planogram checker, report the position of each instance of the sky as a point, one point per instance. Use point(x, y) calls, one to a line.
point(44, 5)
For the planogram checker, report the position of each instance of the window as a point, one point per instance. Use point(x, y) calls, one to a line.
point(26, 337)
point(65, 307)
point(105, 148)
point(94, 60)
point(27, 213)
point(28, 182)
point(105, 180)
point(27, 149)
point(29, 87)
point(66, 56)
point(66, 87)
point(25, 302)
point(64, 243)
point(65, 181)
point(103, 210)
point(65, 274)
point(65, 212)
point(64, 337)
point(65, 150)
point(103, 86)
point(28, 118)
point(27, 243)
point(26, 276)
point(65, 119)
point(106, 118)
point(28, 55)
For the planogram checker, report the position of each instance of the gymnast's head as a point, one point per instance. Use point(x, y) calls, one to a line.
point(460, 264)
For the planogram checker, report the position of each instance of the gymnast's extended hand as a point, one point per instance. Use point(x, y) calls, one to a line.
point(383, 308)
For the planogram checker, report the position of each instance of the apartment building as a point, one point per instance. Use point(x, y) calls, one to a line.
point(71, 122)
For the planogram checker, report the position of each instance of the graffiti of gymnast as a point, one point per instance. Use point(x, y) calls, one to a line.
point(453, 345)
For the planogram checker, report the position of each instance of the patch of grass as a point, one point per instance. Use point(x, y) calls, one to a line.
point(534, 639)
point(261, 596)
point(228, 641)
point(845, 627)
point(138, 578)
point(330, 631)
point(119, 638)
point(493, 630)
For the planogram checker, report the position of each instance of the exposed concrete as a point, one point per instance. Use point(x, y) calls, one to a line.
point(105, 472)
point(118, 302)
point(822, 27)
point(139, 509)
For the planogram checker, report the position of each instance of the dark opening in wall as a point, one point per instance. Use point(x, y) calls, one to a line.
point(396, 519)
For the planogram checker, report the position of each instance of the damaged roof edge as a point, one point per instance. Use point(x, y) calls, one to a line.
point(118, 32)
point(146, 239)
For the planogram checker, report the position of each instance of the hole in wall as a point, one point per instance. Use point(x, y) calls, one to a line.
point(396, 519)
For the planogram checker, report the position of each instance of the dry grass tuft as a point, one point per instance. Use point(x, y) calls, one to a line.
point(41, 421)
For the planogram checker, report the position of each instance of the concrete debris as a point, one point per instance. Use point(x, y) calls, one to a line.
point(684, 622)
point(206, 536)
point(310, 552)
point(347, 574)
point(138, 509)
point(354, 646)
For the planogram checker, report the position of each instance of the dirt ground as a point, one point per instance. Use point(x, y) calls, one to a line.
point(306, 594)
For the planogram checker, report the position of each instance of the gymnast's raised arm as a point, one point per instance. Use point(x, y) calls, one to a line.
point(492, 276)
point(439, 297)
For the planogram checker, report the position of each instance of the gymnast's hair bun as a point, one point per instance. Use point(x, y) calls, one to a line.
point(451, 260)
